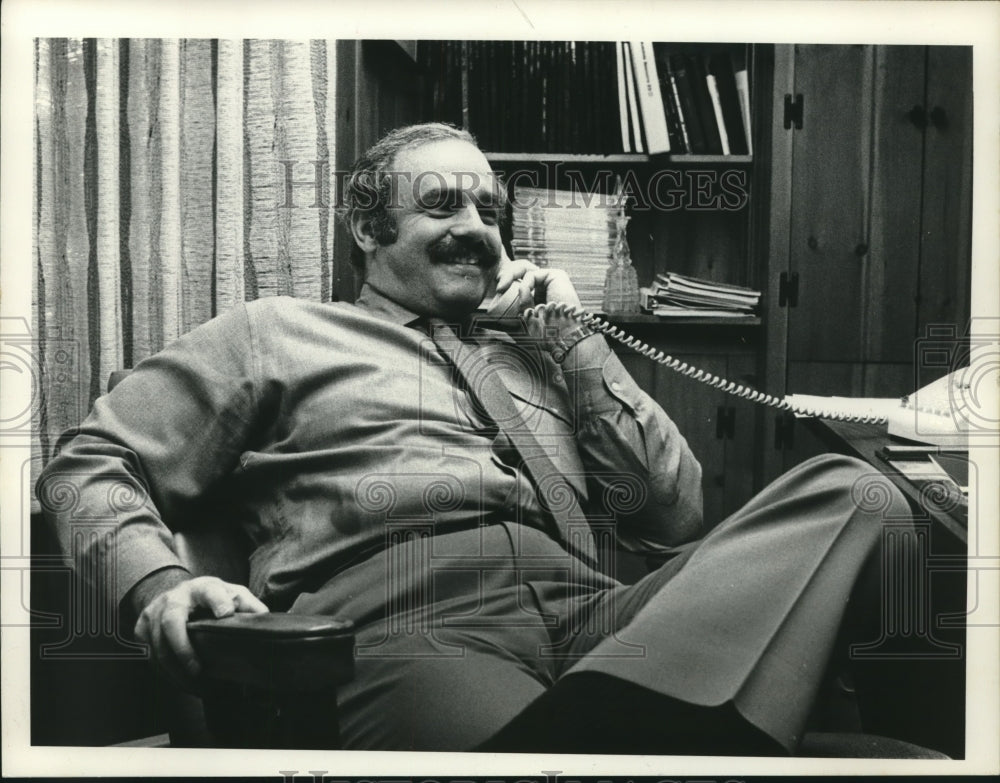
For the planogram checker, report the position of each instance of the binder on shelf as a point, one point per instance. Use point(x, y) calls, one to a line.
point(647, 85)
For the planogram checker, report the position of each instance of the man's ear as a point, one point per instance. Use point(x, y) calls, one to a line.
point(363, 231)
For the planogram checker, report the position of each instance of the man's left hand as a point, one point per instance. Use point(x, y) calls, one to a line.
point(538, 285)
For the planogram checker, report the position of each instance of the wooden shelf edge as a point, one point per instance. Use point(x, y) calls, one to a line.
point(644, 319)
point(569, 157)
point(624, 157)
point(696, 159)
point(687, 320)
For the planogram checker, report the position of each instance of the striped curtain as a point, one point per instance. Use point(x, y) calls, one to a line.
point(163, 171)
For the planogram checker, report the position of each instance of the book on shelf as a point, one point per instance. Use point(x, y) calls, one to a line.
point(706, 98)
point(730, 112)
point(562, 96)
point(623, 110)
point(680, 75)
point(713, 94)
point(676, 124)
point(632, 98)
point(647, 85)
point(703, 105)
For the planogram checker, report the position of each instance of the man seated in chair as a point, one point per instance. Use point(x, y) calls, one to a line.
point(396, 464)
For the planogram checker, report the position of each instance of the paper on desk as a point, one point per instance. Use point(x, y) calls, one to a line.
point(845, 406)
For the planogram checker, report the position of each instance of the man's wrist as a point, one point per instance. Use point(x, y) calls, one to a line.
point(567, 341)
point(150, 586)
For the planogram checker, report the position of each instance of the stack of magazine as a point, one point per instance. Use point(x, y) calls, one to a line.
point(580, 233)
point(673, 295)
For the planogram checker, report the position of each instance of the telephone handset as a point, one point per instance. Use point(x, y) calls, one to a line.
point(507, 304)
point(937, 399)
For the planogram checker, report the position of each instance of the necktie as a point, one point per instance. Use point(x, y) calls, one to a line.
point(556, 495)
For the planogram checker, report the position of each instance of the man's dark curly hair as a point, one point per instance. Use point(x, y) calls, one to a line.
point(368, 188)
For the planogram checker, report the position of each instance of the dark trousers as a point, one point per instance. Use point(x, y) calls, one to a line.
point(497, 638)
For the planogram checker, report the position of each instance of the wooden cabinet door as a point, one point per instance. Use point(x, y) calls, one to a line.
point(946, 215)
point(879, 223)
point(831, 180)
point(893, 257)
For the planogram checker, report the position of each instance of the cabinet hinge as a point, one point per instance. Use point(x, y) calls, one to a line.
point(788, 289)
point(784, 430)
point(793, 111)
point(725, 422)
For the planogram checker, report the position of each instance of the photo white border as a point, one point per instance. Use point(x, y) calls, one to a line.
point(976, 24)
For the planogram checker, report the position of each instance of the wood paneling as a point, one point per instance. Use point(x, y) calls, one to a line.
point(830, 195)
point(890, 290)
point(947, 206)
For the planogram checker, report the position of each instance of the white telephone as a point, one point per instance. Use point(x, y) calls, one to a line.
point(941, 413)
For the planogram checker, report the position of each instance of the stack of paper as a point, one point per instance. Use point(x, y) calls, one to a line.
point(577, 232)
point(673, 294)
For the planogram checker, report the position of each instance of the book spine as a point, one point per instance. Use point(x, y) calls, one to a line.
point(671, 105)
point(689, 110)
point(743, 92)
point(673, 121)
point(607, 79)
point(647, 86)
point(571, 120)
point(623, 109)
point(633, 102)
point(713, 94)
point(725, 81)
point(464, 46)
point(703, 105)
point(681, 122)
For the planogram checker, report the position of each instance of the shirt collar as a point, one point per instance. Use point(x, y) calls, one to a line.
point(381, 306)
point(378, 304)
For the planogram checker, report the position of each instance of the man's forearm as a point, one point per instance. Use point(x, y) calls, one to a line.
point(624, 437)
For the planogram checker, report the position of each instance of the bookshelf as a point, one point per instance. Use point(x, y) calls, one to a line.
point(695, 228)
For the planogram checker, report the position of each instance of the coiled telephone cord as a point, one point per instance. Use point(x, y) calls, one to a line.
point(730, 387)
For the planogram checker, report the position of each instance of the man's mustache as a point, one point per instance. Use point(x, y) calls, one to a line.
point(449, 249)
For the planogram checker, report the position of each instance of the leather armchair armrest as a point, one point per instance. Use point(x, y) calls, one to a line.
point(275, 652)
